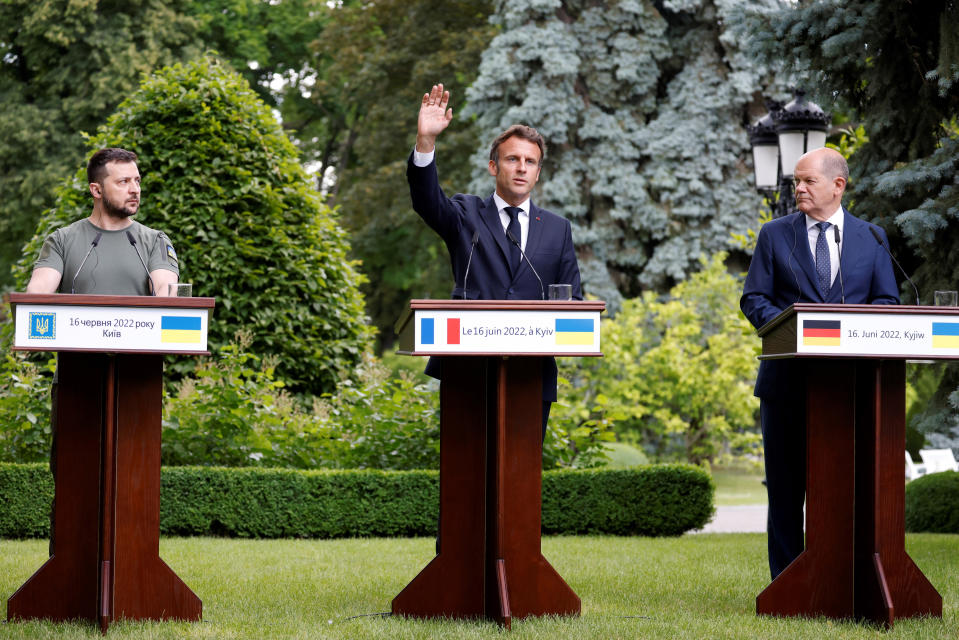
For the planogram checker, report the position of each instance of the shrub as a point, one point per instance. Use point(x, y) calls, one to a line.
point(224, 181)
point(25, 408)
point(932, 503)
point(677, 373)
point(385, 421)
point(274, 503)
point(233, 412)
point(26, 494)
point(656, 500)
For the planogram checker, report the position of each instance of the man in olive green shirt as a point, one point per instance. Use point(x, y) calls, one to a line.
point(102, 254)
point(114, 265)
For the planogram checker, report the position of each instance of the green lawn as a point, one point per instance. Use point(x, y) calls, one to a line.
point(739, 485)
point(701, 586)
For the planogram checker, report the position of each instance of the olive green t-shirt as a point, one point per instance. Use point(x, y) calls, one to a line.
point(113, 267)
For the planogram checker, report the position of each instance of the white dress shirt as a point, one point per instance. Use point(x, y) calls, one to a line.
point(812, 231)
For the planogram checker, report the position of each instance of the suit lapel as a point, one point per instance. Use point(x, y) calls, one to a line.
point(534, 235)
point(803, 254)
point(490, 216)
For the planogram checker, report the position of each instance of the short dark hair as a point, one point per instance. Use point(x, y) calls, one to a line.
point(96, 167)
point(520, 131)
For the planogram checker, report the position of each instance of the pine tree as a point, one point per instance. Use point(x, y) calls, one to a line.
point(894, 65)
point(643, 106)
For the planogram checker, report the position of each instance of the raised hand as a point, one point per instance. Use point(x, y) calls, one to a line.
point(434, 117)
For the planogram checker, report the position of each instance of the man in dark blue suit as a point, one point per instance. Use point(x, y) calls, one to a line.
point(495, 230)
point(819, 254)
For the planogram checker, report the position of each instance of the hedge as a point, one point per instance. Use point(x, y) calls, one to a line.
point(932, 503)
point(655, 500)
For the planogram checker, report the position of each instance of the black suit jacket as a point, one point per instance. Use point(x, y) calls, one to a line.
point(549, 246)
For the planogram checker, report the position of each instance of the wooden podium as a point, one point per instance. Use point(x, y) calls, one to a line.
point(105, 561)
point(855, 564)
point(489, 561)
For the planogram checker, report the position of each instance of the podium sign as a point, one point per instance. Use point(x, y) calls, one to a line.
point(67, 325)
point(476, 327)
point(856, 331)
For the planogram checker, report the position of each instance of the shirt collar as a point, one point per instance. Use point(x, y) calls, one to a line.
point(502, 204)
point(837, 219)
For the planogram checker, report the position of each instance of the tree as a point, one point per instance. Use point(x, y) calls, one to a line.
point(221, 177)
point(372, 64)
point(642, 104)
point(64, 66)
point(895, 67)
point(677, 374)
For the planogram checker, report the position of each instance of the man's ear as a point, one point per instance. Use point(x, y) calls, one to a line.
point(493, 169)
point(95, 190)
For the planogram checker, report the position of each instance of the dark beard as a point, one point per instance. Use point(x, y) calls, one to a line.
point(115, 211)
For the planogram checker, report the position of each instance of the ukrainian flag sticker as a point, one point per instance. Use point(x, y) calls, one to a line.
point(180, 329)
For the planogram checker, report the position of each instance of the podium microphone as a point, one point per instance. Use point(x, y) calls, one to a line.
point(875, 234)
point(842, 287)
point(133, 243)
point(469, 261)
point(512, 238)
point(93, 245)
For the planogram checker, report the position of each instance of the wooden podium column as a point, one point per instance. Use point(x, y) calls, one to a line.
point(105, 563)
point(855, 564)
point(490, 562)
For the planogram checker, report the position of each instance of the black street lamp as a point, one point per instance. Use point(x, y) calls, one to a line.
point(778, 140)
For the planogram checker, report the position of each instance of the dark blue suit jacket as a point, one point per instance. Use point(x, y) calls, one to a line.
point(783, 272)
point(549, 246)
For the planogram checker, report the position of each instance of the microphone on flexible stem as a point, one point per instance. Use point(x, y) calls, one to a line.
point(133, 243)
point(93, 245)
point(469, 261)
point(842, 287)
point(512, 238)
point(875, 234)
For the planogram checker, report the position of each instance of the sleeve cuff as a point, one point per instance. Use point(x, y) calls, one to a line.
point(423, 159)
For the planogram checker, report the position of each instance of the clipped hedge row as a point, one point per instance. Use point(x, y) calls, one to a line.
point(656, 500)
point(932, 503)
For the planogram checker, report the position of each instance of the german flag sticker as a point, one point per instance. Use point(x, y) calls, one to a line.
point(821, 333)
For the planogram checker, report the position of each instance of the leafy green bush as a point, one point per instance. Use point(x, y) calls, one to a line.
point(677, 374)
point(932, 503)
point(233, 412)
point(387, 421)
point(656, 500)
point(26, 493)
point(221, 177)
point(25, 408)
point(271, 503)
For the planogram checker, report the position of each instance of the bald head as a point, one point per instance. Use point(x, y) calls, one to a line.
point(820, 178)
point(831, 163)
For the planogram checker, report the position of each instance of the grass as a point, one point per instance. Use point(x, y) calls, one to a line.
point(739, 485)
point(700, 586)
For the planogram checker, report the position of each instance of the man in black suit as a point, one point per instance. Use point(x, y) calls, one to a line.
point(822, 254)
point(502, 223)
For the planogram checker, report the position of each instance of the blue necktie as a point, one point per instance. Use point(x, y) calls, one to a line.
point(513, 228)
point(823, 269)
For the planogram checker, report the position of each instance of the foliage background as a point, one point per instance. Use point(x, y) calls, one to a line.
point(642, 104)
point(221, 177)
point(893, 68)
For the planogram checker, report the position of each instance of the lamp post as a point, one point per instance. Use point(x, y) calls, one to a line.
point(778, 140)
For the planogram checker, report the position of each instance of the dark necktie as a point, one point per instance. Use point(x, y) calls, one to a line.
point(823, 269)
point(513, 228)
